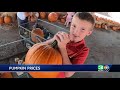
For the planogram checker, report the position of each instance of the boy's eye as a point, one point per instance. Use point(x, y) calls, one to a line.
point(82, 29)
point(73, 26)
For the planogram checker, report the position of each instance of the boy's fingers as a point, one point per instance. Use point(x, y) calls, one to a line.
point(65, 35)
point(59, 32)
point(60, 37)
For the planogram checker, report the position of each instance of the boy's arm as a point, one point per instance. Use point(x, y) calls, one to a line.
point(49, 41)
point(66, 60)
point(62, 39)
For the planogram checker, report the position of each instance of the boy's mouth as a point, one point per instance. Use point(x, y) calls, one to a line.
point(75, 36)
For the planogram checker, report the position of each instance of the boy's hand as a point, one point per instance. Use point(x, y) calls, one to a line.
point(62, 39)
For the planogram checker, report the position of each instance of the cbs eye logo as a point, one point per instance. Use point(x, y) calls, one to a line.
point(106, 67)
point(103, 68)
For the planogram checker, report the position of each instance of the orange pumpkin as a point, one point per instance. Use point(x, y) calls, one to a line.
point(62, 20)
point(6, 75)
point(98, 18)
point(42, 15)
point(1, 20)
point(99, 26)
point(53, 17)
point(114, 28)
point(43, 54)
point(96, 25)
point(36, 32)
point(7, 19)
point(103, 25)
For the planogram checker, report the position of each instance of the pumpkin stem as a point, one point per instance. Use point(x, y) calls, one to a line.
point(54, 44)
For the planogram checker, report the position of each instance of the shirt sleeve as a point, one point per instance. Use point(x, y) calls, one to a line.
point(81, 57)
point(21, 15)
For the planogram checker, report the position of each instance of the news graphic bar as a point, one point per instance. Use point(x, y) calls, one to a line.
point(77, 68)
point(23, 68)
point(115, 68)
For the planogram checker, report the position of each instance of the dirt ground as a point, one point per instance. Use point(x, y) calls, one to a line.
point(104, 49)
point(7, 47)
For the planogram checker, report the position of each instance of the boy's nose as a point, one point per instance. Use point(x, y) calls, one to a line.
point(75, 32)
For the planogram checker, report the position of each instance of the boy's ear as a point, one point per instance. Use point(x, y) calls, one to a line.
point(90, 32)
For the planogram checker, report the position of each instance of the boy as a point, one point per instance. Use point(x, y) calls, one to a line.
point(72, 46)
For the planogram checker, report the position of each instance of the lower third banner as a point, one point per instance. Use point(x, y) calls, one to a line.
point(77, 68)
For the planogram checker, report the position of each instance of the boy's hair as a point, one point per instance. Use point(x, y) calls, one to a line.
point(86, 16)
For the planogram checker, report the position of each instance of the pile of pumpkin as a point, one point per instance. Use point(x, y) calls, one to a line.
point(106, 23)
point(7, 17)
point(53, 16)
point(6, 20)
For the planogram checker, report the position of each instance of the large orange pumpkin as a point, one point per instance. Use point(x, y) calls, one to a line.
point(42, 15)
point(53, 17)
point(36, 32)
point(7, 19)
point(43, 54)
point(1, 20)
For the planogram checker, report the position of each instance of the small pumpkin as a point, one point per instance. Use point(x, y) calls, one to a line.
point(53, 17)
point(62, 20)
point(96, 25)
point(103, 25)
point(43, 54)
point(6, 75)
point(1, 20)
point(98, 18)
point(36, 32)
point(114, 28)
point(99, 26)
point(42, 15)
point(7, 19)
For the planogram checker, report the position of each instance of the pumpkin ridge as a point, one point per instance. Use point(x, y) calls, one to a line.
point(53, 60)
point(50, 55)
point(39, 49)
point(60, 56)
point(36, 61)
point(32, 51)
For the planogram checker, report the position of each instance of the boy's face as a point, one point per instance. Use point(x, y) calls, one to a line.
point(79, 29)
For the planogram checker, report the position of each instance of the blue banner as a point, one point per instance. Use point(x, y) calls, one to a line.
point(39, 68)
